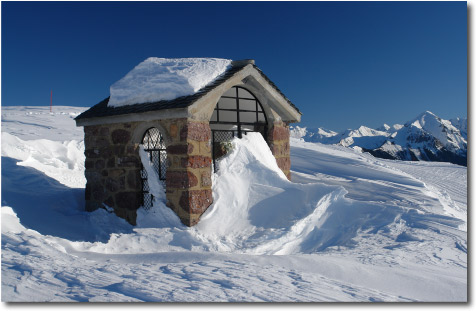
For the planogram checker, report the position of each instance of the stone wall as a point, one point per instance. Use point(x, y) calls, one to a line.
point(112, 169)
point(278, 140)
point(188, 181)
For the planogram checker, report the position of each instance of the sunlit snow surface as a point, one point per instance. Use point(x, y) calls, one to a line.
point(157, 79)
point(348, 228)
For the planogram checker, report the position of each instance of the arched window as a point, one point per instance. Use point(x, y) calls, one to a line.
point(154, 145)
point(237, 112)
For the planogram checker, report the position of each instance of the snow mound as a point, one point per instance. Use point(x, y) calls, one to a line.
point(158, 79)
point(355, 228)
point(63, 161)
point(257, 211)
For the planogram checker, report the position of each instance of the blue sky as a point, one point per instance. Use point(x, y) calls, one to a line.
point(344, 64)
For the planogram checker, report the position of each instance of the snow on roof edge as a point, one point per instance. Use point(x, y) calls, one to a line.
point(157, 79)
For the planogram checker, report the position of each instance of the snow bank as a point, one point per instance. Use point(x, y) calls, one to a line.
point(63, 161)
point(351, 227)
point(256, 210)
point(158, 79)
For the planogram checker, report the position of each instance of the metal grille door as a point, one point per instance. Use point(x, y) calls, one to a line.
point(154, 145)
point(219, 144)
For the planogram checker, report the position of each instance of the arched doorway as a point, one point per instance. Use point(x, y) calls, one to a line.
point(237, 112)
point(154, 145)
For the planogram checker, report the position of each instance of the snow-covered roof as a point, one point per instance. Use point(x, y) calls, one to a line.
point(157, 79)
point(170, 84)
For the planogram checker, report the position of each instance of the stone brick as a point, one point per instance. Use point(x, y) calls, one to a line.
point(114, 184)
point(284, 163)
point(180, 149)
point(196, 161)
point(91, 206)
point(128, 162)
point(114, 173)
point(92, 177)
point(104, 131)
point(197, 131)
point(91, 130)
point(100, 142)
point(89, 164)
point(105, 152)
point(189, 148)
point(134, 180)
point(111, 162)
point(206, 179)
point(196, 201)
point(131, 149)
point(118, 150)
point(286, 147)
point(109, 202)
point(100, 164)
point(275, 150)
point(279, 133)
point(181, 179)
point(173, 130)
point(129, 215)
point(120, 136)
point(87, 192)
point(98, 193)
point(129, 200)
point(92, 153)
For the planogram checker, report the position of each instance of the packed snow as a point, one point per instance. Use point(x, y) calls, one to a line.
point(349, 227)
point(157, 79)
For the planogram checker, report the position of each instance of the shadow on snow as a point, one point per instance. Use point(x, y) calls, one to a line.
point(51, 208)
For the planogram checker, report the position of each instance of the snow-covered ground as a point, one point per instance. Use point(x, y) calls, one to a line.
point(349, 227)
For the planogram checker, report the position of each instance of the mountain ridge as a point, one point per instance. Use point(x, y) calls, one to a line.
point(426, 137)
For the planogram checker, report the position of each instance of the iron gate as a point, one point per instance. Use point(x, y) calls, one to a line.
point(220, 143)
point(154, 145)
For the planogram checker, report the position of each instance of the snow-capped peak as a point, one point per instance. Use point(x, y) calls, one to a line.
point(441, 129)
point(325, 132)
point(385, 127)
point(426, 137)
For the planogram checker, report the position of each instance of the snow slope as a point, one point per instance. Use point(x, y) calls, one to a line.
point(157, 79)
point(349, 227)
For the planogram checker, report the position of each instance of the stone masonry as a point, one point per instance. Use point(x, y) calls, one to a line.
point(113, 168)
point(278, 140)
point(189, 182)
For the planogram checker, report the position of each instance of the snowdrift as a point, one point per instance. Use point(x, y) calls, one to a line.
point(349, 227)
point(63, 161)
point(256, 210)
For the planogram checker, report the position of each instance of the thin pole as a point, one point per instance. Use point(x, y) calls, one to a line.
point(51, 100)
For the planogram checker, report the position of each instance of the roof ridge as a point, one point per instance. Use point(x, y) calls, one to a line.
point(102, 109)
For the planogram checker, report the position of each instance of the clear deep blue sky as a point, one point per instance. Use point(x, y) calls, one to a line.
point(344, 64)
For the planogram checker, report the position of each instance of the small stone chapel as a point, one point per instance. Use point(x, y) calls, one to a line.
point(184, 138)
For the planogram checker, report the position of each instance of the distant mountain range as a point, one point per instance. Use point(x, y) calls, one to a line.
point(425, 138)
